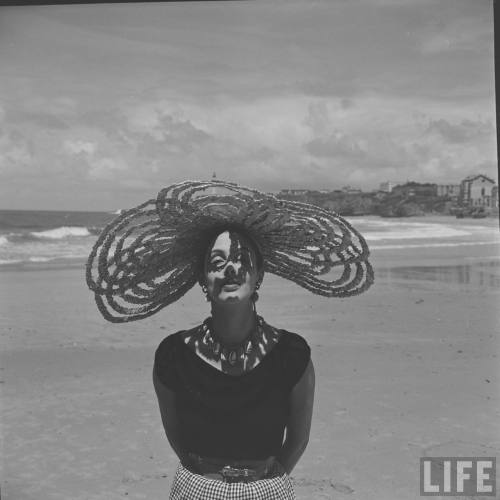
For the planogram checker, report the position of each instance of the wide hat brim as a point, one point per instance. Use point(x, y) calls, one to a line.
point(151, 255)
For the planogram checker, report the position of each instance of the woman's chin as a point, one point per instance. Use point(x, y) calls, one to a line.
point(232, 297)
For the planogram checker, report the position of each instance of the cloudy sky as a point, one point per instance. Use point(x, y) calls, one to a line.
point(102, 105)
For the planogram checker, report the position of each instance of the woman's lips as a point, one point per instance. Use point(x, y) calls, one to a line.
point(230, 286)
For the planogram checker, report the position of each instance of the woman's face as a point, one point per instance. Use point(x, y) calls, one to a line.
point(231, 268)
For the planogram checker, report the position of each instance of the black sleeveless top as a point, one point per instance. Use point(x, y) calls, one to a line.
point(227, 416)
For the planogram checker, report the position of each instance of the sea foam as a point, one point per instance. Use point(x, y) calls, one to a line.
point(9, 261)
point(40, 259)
point(61, 232)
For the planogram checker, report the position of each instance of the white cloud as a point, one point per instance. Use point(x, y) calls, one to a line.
point(142, 118)
point(106, 168)
point(339, 145)
point(465, 131)
point(78, 146)
point(15, 154)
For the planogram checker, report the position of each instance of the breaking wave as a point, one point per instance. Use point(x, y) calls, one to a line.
point(61, 232)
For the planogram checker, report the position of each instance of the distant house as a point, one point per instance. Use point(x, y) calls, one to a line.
point(350, 190)
point(294, 191)
point(494, 197)
point(477, 191)
point(387, 186)
point(415, 189)
point(449, 190)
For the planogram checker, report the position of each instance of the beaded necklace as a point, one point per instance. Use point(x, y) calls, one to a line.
point(232, 353)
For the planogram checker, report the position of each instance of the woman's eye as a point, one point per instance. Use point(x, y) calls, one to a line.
point(217, 263)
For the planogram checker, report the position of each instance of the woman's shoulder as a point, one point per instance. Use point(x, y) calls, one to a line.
point(294, 354)
point(168, 343)
point(167, 353)
point(168, 356)
point(173, 340)
point(294, 339)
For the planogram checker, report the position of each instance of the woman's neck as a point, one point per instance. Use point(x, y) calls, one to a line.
point(233, 324)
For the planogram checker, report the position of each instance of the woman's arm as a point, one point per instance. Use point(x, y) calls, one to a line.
point(166, 400)
point(299, 421)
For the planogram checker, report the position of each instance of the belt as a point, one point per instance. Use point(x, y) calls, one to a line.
point(234, 471)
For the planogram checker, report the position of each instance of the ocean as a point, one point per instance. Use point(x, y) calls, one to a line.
point(44, 239)
point(31, 238)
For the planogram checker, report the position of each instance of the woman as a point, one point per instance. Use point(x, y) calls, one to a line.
point(235, 394)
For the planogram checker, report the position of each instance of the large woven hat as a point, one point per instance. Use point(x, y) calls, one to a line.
point(151, 255)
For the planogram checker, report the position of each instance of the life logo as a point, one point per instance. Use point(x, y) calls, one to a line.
point(458, 476)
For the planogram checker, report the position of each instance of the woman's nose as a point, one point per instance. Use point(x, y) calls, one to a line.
point(229, 271)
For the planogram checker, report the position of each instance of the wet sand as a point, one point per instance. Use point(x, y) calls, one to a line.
point(406, 370)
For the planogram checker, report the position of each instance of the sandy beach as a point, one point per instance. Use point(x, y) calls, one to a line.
point(409, 369)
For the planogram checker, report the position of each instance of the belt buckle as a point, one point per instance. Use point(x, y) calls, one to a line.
point(234, 475)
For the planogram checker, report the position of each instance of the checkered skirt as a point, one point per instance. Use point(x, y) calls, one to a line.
point(190, 486)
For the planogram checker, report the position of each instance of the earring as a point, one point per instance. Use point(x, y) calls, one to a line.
point(255, 295)
point(204, 289)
